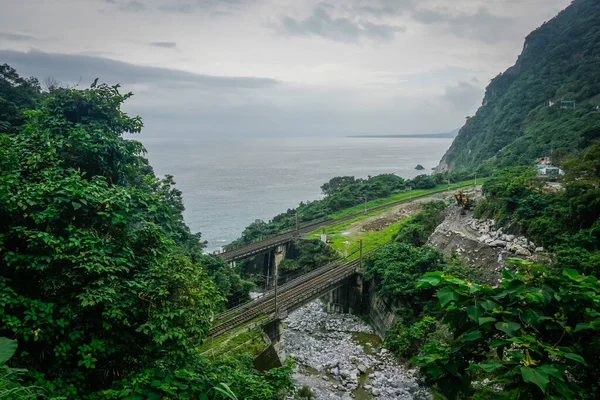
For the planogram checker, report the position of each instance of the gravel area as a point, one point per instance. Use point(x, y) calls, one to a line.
point(339, 357)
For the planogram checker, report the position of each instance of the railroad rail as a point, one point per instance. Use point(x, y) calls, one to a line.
point(290, 296)
point(260, 246)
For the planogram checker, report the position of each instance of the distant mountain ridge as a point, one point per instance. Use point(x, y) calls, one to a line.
point(522, 116)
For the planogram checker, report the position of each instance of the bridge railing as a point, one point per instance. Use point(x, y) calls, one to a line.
point(231, 247)
point(266, 295)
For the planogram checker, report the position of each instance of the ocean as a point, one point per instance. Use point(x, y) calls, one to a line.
point(229, 183)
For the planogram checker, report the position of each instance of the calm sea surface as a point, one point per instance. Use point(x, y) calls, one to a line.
point(229, 183)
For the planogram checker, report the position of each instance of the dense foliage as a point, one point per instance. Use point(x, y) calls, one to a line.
point(515, 124)
point(417, 230)
point(343, 192)
point(101, 283)
point(17, 94)
point(564, 220)
point(536, 335)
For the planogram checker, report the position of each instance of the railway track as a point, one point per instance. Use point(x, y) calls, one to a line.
point(258, 247)
point(291, 295)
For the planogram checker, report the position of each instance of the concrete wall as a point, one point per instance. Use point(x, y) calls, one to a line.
point(347, 298)
point(382, 314)
point(274, 355)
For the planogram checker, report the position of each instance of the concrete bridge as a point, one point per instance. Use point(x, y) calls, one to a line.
point(340, 280)
point(275, 244)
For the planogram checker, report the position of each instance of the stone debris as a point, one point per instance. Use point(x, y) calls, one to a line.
point(518, 245)
point(335, 366)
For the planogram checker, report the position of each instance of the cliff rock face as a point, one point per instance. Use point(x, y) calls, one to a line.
point(522, 116)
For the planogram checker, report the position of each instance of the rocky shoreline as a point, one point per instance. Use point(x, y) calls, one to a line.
point(339, 357)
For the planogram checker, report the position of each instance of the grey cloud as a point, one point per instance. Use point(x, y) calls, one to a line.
point(132, 6)
point(388, 7)
point(321, 23)
point(72, 68)
point(212, 7)
point(15, 37)
point(463, 96)
point(481, 26)
point(184, 8)
point(166, 45)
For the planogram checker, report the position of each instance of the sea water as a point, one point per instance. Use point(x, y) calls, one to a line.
point(230, 182)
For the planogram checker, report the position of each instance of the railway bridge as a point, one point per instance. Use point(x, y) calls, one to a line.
point(340, 277)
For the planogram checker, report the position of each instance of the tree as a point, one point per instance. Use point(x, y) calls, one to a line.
point(17, 94)
point(96, 280)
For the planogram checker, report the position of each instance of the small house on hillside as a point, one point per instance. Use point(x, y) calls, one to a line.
point(546, 169)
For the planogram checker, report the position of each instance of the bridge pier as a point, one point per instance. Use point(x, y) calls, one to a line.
point(347, 298)
point(274, 355)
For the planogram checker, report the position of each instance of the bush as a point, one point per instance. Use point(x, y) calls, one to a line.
point(536, 333)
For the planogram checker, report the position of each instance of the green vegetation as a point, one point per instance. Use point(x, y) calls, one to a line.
point(310, 255)
point(418, 229)
point(565, 221)
point(243, 339)
point(536, 335)
point(515, 124)
point(347, 195)
point(102, 285)
point(17, 95)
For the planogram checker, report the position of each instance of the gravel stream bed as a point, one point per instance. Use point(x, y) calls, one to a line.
point(339, 357)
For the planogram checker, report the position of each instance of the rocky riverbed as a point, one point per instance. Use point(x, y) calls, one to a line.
point(339, 357)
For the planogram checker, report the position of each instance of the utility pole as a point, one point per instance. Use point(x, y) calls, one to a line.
point(276, 276)
point(361, 260)
point(448, 184)
point(297, 226)
point(475, 178)
point(365, 204)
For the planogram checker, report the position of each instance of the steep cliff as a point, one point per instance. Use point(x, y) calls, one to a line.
point(516, 122)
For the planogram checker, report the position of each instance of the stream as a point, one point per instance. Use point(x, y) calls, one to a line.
point(340, 357)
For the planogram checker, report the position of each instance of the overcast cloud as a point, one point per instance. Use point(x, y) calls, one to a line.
point(266, 67)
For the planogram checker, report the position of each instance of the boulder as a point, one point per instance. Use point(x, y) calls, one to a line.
point(539, 250)
point(498, 243)
point(521, 251)
point(362, 368)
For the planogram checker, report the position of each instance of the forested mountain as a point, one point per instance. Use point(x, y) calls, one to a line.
point(516, 122)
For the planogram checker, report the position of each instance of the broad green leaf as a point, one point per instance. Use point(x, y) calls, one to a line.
point(551, 370)
point(469, 337)
point(447, 295)
point(489, 305)
point(575, 357)
point(485, 320)
point(572, 274)
point(581, 326)
point(488, 367)
point(530, 316)
point(428, 280)
point(474, 313)
point(536, 376)
point(7, 349)
point(510, 327)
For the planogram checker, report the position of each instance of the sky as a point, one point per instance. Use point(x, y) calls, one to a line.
point(277, 67)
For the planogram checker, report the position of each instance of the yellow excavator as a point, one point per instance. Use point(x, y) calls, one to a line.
point(464, 201)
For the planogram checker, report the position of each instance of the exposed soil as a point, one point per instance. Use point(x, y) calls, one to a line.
point(392, 215)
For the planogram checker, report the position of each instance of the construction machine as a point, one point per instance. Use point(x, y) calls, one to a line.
point(464, 200)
